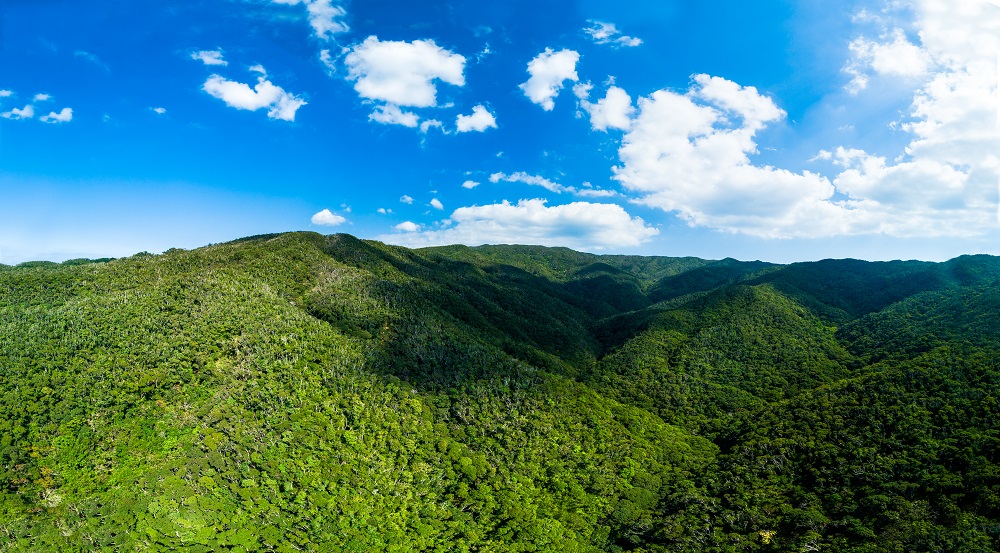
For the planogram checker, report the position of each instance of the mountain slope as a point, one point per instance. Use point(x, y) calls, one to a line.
point(299, 392)
point(192, 401)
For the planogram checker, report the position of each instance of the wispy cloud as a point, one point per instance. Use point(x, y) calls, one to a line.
point(533, 180)
point(92, 58)
point(607, 33)
point(209, 57)
point(325, 17)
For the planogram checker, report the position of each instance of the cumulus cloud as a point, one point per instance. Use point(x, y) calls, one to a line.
point(436, 204)
point(407, 226)
point(64, 116)
point(327, 218)
point(6, 93)
point(402, 73)
point(614, 111)
point(406, 199)
point(209, 57)
point(480, 120)
point(894, 56)
point(689, 154)
point(607, 33)
point(470, 184)
point(159, 110)
point(548, 71)
point(27, 112)
point(42, 97)
point(945, 181)
point(265, 94)
point(325, 18)
point(533, 180)
point(391, 115)
point(579, 225)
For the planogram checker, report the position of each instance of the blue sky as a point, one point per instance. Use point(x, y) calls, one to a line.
point(783, 130)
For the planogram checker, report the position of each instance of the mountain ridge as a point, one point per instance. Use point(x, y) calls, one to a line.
point(300, 391)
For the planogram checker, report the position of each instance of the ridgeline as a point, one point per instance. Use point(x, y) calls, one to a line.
point(300, 392)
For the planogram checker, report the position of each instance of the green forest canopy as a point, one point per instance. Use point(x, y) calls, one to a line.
point(299, 392)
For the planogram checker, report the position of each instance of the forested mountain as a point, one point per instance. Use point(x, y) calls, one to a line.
point(300, 392)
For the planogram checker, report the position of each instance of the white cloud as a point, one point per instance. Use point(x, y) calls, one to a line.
point(407, 226)
point(280, 104)
point(406, 199)
point(92, 59)
point(533, 180)
point(209, 57)
point(432, 124)
point(6, 93)
point(689, 154)
point(159, 111)
point(402, 73)
point(25, 113)
point(607, 33)
point(614, 111)
point(327, 60)
point(582, 90)
point(470, 184)
point(945, 181)
point(480, 120)
point(548, 72)
point(324, 17)
point(42, 97)
point(384, 211)
point(391, 115)
point(894, 56)
point(580, 225)
point(436, 204)
point(258, 69)
point(327, 218)
point(596, 193)
point(64, 116)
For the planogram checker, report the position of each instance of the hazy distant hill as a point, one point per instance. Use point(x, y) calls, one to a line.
point(299, 392)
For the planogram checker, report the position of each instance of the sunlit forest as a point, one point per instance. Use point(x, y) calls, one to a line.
point(301, 392)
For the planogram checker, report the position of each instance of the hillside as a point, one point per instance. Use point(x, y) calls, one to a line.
point(299, 392)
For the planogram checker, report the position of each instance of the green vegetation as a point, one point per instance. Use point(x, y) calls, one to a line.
point(299, 392)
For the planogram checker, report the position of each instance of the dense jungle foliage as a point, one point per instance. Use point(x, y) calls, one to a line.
point(300, 392)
